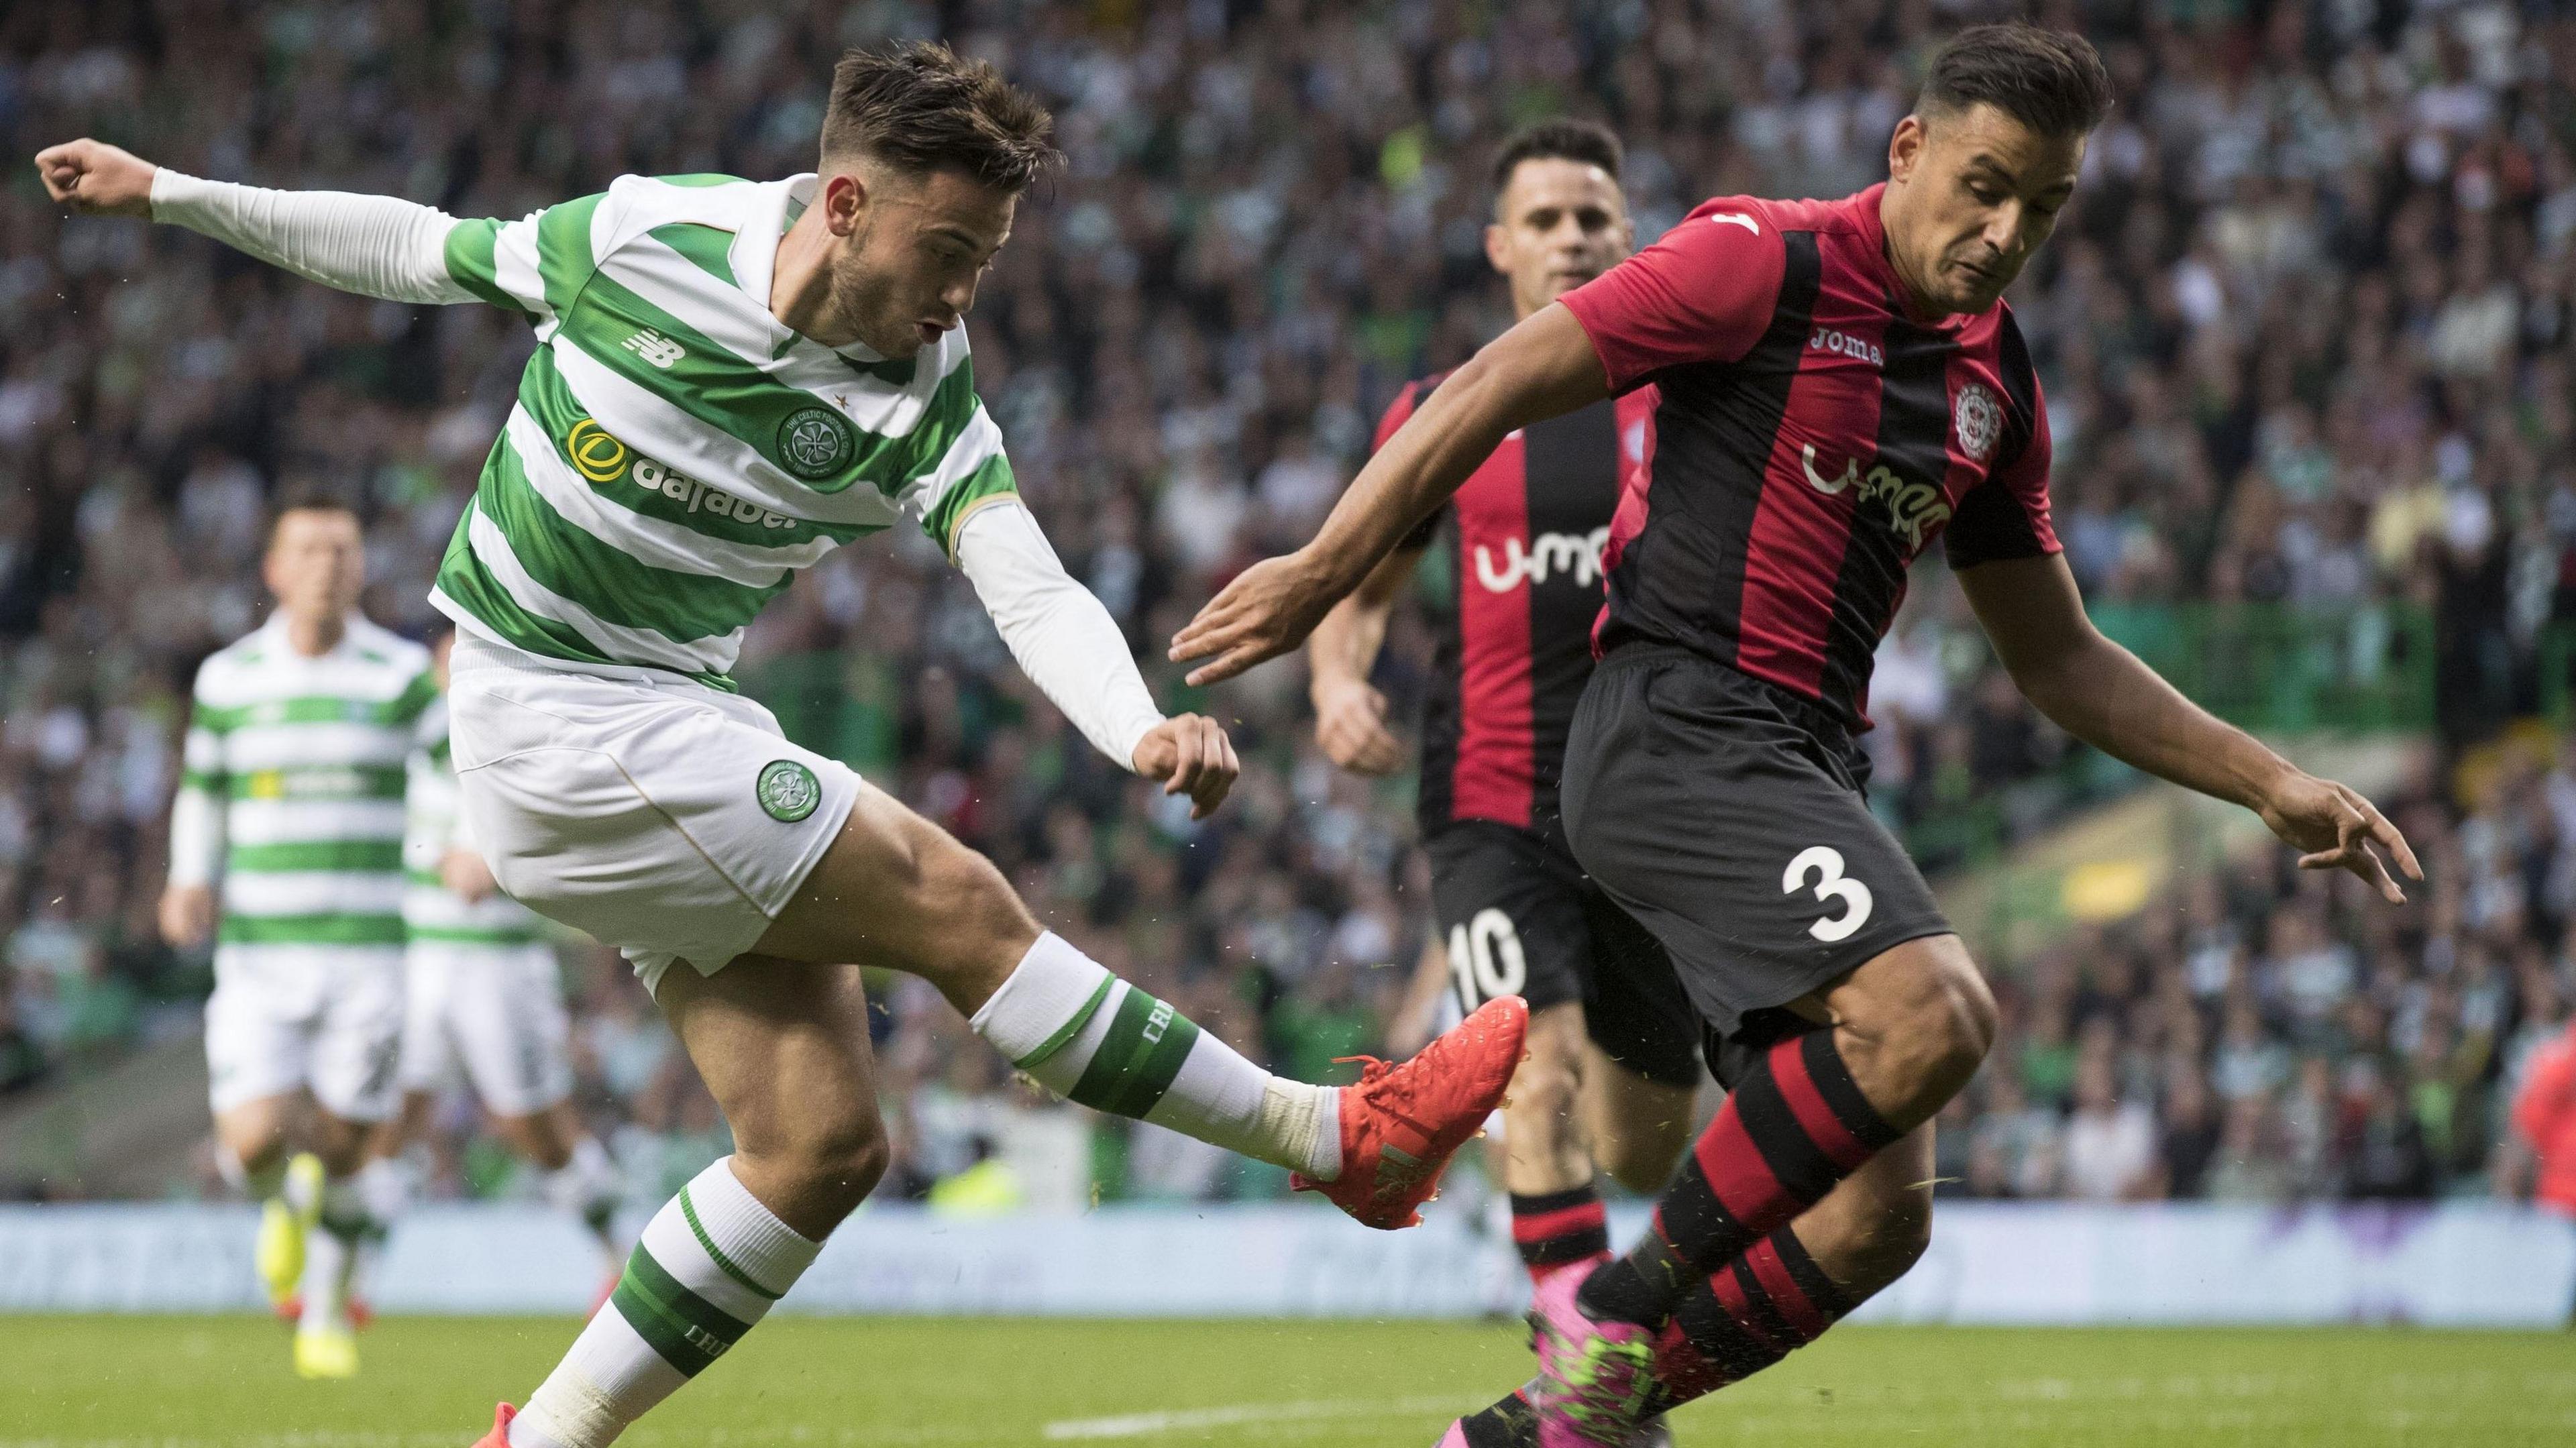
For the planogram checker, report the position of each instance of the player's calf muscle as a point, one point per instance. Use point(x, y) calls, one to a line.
point(1874, 1226)
point(783, 1047)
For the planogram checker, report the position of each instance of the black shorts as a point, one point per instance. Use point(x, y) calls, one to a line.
point(1519, 918)
point(1727, 816)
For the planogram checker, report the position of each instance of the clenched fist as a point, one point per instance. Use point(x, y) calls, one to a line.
point(96, 178)
point(1192, 756)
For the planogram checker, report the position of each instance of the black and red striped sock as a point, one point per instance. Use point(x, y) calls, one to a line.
point(1511, 1423)
point(1555, 1230)
point(1749, 1314)
point(1793, 1127)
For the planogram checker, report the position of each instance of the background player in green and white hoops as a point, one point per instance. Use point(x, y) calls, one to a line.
point(293, 799)
point(733, 378)
point(485, 996)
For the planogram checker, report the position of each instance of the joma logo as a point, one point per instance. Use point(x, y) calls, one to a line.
point(1844, 344)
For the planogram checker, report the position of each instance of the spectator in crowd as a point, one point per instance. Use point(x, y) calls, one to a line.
point(2306, 344)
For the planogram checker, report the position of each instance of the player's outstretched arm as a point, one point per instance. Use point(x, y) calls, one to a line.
point(1350, 713)
point(1542, 368)
point(1071, 648)
point(376, 246)
point(2099, 692)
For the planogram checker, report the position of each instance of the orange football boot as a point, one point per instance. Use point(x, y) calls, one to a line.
point(1401, 1124)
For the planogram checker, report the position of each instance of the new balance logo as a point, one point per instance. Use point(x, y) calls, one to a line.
point(1557, 555)
point(655, 348)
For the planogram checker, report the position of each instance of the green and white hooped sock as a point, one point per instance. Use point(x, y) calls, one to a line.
point(1087, 1035)
point(706, 1270)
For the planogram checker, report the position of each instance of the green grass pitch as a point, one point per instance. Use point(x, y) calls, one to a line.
point(89, 1382)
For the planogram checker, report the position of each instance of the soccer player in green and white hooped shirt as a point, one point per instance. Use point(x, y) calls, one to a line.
point(485, 995)
point(292, 799)
point(735, 377)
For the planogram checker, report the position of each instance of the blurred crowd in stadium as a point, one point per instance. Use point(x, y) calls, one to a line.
point(2305, 337)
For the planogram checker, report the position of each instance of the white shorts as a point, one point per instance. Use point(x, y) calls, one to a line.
point(495, 1010)
point(665, 818)
point(285, 1018)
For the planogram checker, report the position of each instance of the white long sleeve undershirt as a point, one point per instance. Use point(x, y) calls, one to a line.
point(1064, 638)
point(376, 246)
point(196, 837)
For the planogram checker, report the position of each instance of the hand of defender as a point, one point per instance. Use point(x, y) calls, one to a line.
point(1192, 756)
point(96, 178)
point(1267, 610)
point(2335, 829)
point(1350, 727)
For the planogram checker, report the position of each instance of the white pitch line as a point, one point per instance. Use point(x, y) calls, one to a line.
point(1241, 1415)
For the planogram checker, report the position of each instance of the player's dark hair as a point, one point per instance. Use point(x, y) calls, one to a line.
point(921, 107)
point(1589, 142)
point(2049, 80)
point(306, 498)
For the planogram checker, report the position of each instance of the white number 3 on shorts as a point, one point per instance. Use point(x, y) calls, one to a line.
point(1831, 884)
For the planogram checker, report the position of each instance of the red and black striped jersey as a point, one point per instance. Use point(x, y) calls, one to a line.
point(1809, 439)
point(1524, 535)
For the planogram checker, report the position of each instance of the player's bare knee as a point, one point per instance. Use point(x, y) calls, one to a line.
point(1959, 1012)
point(1915, 1031)
point(835, 1159)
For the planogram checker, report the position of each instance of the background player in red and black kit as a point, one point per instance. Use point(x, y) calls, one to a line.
point(1613, 1044)
point(1839, 384)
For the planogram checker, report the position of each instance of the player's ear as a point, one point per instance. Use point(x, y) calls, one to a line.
point(1498, 247)
point(845, 196)
point(1905, 148)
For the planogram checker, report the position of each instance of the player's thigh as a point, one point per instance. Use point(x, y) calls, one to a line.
point(894, 889)
point(1729, 820)
point(357, 1043)
point(667, 820)
point(427, 1054)
point(505, 1014)
point(783, 1047)
point(260, 1027)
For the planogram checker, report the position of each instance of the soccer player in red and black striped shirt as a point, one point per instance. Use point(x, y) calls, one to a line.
point(1613, 1043)
point(1838, 384)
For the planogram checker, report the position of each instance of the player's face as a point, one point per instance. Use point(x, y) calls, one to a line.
point(316, 563)
point(1557, 224)
point(911, 249)
point(1970, 196)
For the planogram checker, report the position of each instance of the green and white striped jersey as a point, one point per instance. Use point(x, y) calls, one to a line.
point(432, 912)
point(293, 788)
point(676, 453)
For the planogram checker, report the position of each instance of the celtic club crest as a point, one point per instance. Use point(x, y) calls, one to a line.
point(788, 790)
point(1979, 416)
point(814, 443)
